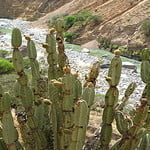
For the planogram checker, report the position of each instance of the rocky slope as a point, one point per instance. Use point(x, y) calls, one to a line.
point(121, 24)
point(28, 8)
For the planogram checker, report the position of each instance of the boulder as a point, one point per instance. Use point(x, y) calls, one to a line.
point(85, 50)
point(129, 65)
point(23, 50)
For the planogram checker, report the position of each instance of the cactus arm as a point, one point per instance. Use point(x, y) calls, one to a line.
point(62, 58)
point(52, 57)
point(80, 123)
point(9, 132)
point(111, 98)
point(68, 81)
point(26, 95)
point(130, 89)
point(145, 142)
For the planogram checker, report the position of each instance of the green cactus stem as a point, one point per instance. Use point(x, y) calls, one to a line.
point(9, 132)
point(2, 143)
point(62, 58)
point(111, 99)
point(131, 139)
point(145, 142)
point(130, 89)
point(27, 99)
point(39, 87)
point(52, 57)
point(80, 124)
point(16, 39)
point(68, 81)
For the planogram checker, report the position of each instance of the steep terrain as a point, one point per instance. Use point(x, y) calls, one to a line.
point(121, 24)
point(28, 8)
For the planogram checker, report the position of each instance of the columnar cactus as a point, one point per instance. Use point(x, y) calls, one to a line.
point(53, 114)
point(9, 132)
point(26, 95)
point(135, 132)
point(111, 99)
point(62, 58)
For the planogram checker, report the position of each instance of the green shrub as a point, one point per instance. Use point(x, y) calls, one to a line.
point(52, 20)
point(69, 21)
point(32, 18)
point(81, 19)
point(146, 27)
point(78, 19)
point(5, 66)
point(71, 35)
point(3, 53)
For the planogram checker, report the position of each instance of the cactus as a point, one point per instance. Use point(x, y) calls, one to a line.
point(26, 97)
point(130, 89)
point(62, 58)
point(53, 112)
point(134, 134)
point(9, 132)
point(111, 99)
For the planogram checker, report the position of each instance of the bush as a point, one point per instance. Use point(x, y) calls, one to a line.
point(51, 22)
point(5, 66)
point(3, 53)
point(69, 21)
point(71, 35)
point(146, 27)
point(81, 19)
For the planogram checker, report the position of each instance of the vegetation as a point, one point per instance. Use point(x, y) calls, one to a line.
point(53, 112)
point(71, 35)
point(134, 54)
point(51, 22)
point(5, 66)
point(3, 53)
point(146, 27)
point(80, 19)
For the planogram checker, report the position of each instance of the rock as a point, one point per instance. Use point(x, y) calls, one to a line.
point(104, 56)
point(85, 50)
point(23, 50)
point(91, 44)
point(129, 65)
point(105, 66)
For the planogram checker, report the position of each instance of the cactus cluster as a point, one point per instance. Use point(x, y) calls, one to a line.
point(134, 130)
point(52, 113)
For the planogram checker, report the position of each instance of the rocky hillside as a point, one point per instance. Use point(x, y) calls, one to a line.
point(121, 23)
point(28, 8)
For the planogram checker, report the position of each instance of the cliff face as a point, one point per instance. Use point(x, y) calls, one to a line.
point(28, 8)
point(121, 24)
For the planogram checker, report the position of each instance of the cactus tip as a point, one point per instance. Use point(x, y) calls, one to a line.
point(52, 30)
point(27, 38)
point(66, 69)
point(117, 52)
